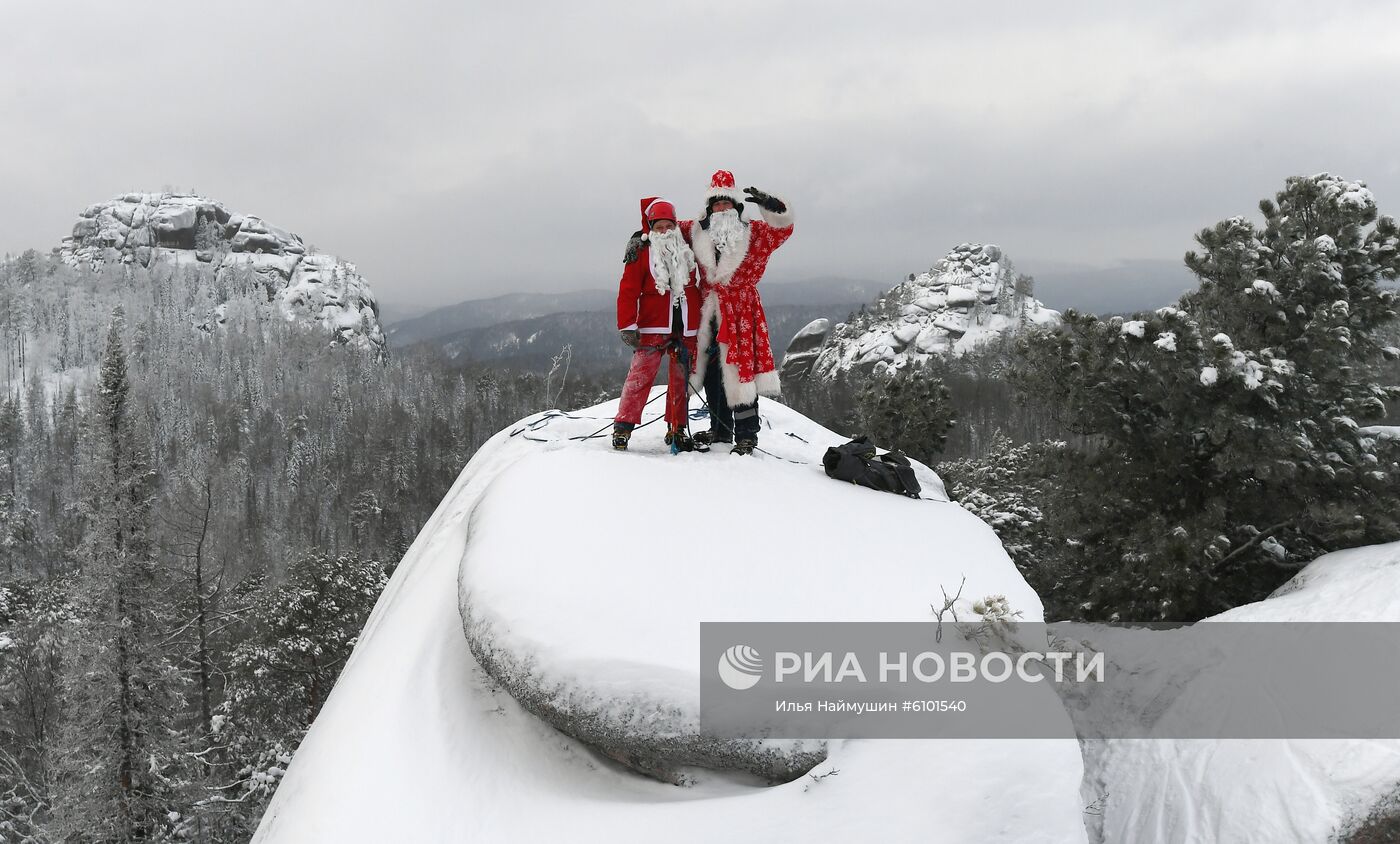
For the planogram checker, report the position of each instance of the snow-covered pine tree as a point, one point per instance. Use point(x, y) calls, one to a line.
point(910, 410)
point(300, 633)
point(33, 616)
point(114, 778)
point(1224, 450)
point(998, 488)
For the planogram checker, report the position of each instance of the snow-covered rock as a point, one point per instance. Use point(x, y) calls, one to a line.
point(1178, 791)
point(805, 346)
point(189, 230)
point(595, 568)
point(1383, 433)
point(577, 625)
point(968, 298)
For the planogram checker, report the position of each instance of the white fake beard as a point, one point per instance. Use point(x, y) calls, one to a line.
point(726, 230)
point(672, 262)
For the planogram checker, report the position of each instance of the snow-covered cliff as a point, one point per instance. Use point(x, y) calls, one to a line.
point(573, 559)
point(1199, 790)
point(189, 230)
point(972, 295)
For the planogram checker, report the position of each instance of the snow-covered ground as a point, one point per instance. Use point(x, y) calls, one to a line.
point(1258, 790)
point(572, 552)
point(417, 744)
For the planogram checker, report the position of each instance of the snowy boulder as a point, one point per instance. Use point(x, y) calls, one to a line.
point(255, 235)
point(593, 624)
point(876, 354)
point(931, 340)
point(905, 334)
point(802, 352)
point(1198, 790)
point(961, 297)
point(170, 219)
point(950, 325)
point(603, 587)
point(1383, 433)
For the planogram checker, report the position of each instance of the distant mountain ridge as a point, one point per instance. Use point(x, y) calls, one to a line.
point(531, 344)
point(453, 322)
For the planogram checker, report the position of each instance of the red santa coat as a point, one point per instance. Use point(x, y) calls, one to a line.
point(644, 308)
point(729, 291)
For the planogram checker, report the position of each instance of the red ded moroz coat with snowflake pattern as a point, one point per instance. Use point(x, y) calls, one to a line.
point(729, 291)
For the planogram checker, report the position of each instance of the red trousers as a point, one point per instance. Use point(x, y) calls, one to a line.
point(645, 361)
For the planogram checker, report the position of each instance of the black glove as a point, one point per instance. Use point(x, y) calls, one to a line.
point(766, 202)
point(634, 248)
point(629, 336)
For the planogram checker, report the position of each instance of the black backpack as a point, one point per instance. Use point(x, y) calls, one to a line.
point(857, 462)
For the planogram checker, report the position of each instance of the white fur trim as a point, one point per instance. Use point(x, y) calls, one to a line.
point(632, 327)
point(733, 194)
point(666, 330)
point(717, 272)
point(774, 219)
point(708, 308)
point(688, 330)
point(736, 392)
point(768, 384)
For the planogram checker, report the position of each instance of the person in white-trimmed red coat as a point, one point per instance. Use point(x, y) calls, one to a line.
point(735, 360)
point(658, 315)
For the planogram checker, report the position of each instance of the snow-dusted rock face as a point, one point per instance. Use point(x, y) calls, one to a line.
point(971, 296)
point(183, 229)
point(589, 571)
point(1383, 433)
point(1198, 790)
point(593, 623)
point(804, 349)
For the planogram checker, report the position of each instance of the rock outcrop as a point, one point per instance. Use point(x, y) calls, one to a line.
point(970, 297)
point(189, 230)
point(806, 345)
point(593, 623)
point(578, 576)
point(1285, 789)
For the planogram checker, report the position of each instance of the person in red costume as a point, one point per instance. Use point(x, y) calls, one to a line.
point(735, 361)
point(658, 315)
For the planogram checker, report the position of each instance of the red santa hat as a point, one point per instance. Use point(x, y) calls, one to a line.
point(722, 187)
point(655, 208)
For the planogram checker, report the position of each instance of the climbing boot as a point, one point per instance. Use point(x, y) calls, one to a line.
point(712, 436)
point(679, 441)
point(621, 434)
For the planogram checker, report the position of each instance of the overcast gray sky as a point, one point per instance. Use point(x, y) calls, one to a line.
point(457, 150)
